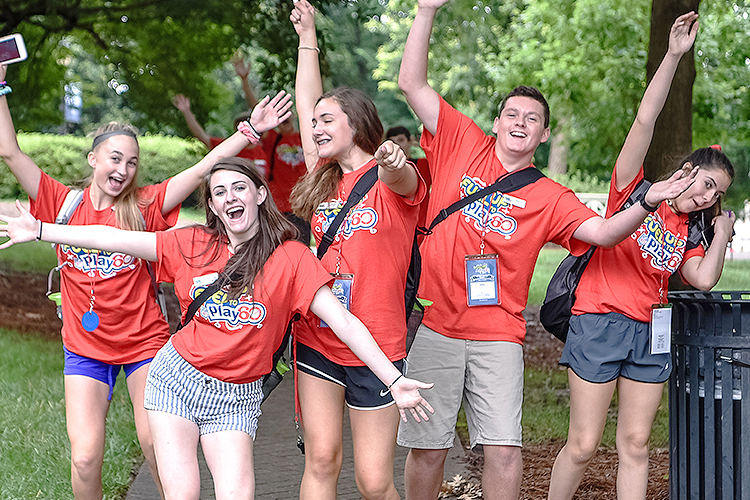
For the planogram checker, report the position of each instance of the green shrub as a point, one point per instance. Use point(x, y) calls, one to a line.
point(64, 158)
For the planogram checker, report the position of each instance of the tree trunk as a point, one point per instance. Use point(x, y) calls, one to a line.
point(673, 136)
point(559, 148)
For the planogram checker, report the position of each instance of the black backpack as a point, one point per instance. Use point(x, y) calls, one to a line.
point(556, 311)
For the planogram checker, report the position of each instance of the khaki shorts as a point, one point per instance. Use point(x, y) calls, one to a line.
point(486, 375)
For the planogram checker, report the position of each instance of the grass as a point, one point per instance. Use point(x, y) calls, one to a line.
point(33, 438)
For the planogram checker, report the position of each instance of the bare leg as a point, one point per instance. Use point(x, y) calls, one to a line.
point(374, 437)
point(503, 470)
point(136, 386)
point(423, 474)
point(637, 410)
point(588, 413)
point(322, 407)
point(176, 449)
point(86, 407)
point(229, 456)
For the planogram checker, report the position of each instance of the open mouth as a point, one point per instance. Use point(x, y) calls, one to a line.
point(322, 142)
point(518, 135)
point(235, 213)
point(116, 182)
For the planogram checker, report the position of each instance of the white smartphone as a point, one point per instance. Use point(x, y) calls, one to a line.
point(12, 49)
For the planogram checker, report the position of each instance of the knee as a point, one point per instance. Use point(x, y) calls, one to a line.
point(429, 459)
point(375, 485)
point(323, 461)
point(633, 447)
point(582, 450)
point(86, 465)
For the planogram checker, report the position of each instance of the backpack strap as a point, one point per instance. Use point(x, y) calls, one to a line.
point(507, 184)
point(363, 185)
point(200, 299)
point(72, 200)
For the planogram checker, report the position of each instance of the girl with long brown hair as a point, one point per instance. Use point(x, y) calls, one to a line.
point(369, 257)
point(205, 384)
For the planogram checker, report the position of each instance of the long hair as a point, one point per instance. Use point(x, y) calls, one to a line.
point(250, 257)
point(128, 203)
point(321, 184)
point(711, 158)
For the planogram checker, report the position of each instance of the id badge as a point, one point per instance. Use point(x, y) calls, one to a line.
point(342, 290)
point(661, 328)
point(482, 284)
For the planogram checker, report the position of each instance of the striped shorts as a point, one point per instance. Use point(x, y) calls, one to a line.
point(175, 386)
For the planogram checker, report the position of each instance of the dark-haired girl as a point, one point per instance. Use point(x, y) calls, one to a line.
point(111, 318)
point(619, 332)
point(341, 134)
point(205, 383)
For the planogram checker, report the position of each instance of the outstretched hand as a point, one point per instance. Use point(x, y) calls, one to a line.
point(433, 4)
point(241, 68)
point(19, 229)
point(270, 113)
point(672, 187)
point(405, 393)
point(390, 156)
point(181, 102)
point(303, 17)
point(683, 32)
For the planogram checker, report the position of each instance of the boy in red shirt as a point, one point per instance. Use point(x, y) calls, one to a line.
point(474, 353)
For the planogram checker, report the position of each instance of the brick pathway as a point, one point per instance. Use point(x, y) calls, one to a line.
point(279, 464)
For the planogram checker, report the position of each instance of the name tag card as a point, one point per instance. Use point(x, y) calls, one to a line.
point(342, 290)
point(661, 328)
point(482, 284)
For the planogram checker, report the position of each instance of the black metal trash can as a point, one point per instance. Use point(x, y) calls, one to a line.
point(709, 396)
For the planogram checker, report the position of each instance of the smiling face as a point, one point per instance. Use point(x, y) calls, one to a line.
point(332, 132)
point(115, 165)
point(710, 184)
point(520, 127)
point(235, 200)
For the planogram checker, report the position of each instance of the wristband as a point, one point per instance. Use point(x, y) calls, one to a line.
point(249, 132)
point(5, 89)
point(395, 380)
point(39, 234)
point(648, 207)
point(303, 47)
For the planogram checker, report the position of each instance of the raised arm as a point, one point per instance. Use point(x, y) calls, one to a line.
point(609, 232)
point(268, 114)
point(704, 272)
point(243, 71)
point(681, 38)
point(141, 244)
point(183, 104)
point(399, 175)
point(23, 168)
point(354, 334)
point(412, 76)
point(308, 84)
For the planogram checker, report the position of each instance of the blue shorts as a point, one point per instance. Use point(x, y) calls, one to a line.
point(75, 364)
point(177, 387)
point(362, 389)
point(602, 347)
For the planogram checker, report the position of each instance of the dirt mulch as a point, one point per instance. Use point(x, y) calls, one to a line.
point(24, 307)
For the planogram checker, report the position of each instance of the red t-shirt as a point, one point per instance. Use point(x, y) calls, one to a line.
point(131, 326)
point(374, 244)
point(286, 165)
point(253, 152)
point(424, 170)
point(234, 340)
point(462, 160)
point(626, 278)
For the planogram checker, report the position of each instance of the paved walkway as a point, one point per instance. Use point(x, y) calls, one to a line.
point(279, 464)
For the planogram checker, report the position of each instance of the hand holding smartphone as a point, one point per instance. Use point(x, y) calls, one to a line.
point(12, 49)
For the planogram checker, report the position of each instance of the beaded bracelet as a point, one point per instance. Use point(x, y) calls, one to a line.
point(249, 131)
